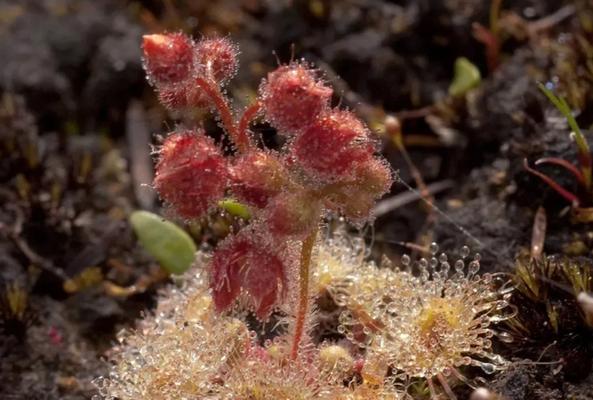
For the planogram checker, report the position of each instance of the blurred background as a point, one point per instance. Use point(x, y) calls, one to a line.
point(77, 118)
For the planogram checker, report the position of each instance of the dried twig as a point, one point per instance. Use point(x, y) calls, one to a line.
point(538, 235)
point(585, 300)
point(138, 137)
point(551, 20)
point(386, 206)
point(14, 233)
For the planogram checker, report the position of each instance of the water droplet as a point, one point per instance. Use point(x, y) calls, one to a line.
point(486, 367)
point(459, 265)
point(505, 337)
point(406, 260)
point(474, 267)
point(464, 251)
point(482, 393)
point(423, 263)
point(434, 248)
point(445, 267)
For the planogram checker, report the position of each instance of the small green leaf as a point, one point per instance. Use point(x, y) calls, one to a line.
point(235, 208)
point(467, 76)
point(585, 159)
point(172, 247)
point(562, 106)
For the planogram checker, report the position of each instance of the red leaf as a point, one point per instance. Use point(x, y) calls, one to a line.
point(169, 57)
point(293, 97)
point(333, 145)
point(225, 268)
point(565, 164)
point(191, 174)
point(244, 261)
point(574, 200)
point(256, 177)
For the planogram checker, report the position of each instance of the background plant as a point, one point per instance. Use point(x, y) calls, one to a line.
point(582, 172)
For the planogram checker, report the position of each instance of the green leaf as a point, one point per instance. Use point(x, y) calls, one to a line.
point(562, 106)
point(170, 245)
point(467, 76)
point(235, 208)
point(585, 159)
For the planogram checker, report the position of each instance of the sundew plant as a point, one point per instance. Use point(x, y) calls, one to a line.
point(397, 327)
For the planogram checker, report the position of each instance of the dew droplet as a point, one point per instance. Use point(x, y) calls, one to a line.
point(434, 248)
point(445, 267)
point(488, 368)
point(474, 267)
point(423, 263)
point(405, 260)
point(482, 393)
point(505, 337)
point(464, 251)
point(434, 262)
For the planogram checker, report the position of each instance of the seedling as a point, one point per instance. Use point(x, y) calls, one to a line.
point(490, 36)
point(466, 77)
point(582, 172)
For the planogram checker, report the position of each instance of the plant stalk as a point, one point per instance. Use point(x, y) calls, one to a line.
point(248, 115)
point(304, 277)
point(240, 139)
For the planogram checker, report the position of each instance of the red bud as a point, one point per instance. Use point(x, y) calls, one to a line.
point(257, 176)
point(293, 213)
point(372, 179)
point(191, 174)
point(374, 176)
point(168, 58)
point(332, 146)
point(183, 97)
point(217, 57)
point(292, 97)
point(245, 261)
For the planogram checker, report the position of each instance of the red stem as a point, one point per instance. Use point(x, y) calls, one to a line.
point(248, 116)
point(574, 200)
point(241, 139)
point(491, 43)
point(563, 163)
point(304, 273)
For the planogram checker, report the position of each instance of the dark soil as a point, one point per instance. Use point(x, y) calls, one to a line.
point(74, 105)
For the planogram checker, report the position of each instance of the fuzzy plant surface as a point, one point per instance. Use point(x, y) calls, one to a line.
point(396, 327)
point(328, 165)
